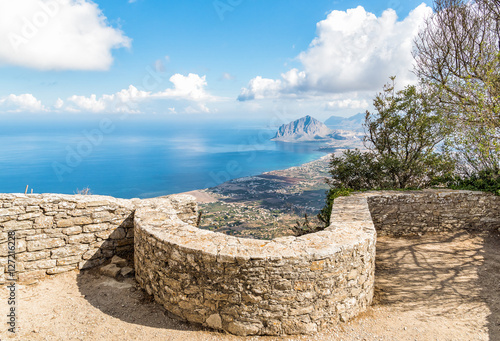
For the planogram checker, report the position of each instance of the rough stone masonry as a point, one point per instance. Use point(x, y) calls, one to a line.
point(290, 285)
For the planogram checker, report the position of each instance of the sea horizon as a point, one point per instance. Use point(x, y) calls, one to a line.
point(134, 159)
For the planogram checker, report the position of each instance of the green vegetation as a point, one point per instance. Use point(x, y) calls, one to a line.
point(332, 194)
point(457, 57)
point(486, 181)
point(445, 131)
point(402, 138)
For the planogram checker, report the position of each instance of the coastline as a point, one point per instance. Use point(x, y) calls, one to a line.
point(267, 205)
point(206, 195)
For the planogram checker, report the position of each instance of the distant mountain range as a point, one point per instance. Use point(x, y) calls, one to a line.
point(354, 123)
point(310, 129)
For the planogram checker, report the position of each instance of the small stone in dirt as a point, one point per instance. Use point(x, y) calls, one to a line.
point(110, 270)
point(119, 261)
point(127, 272)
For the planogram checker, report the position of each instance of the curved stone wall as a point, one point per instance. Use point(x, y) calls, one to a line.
point(47, 234)
point(291, 285)
point(288, 285)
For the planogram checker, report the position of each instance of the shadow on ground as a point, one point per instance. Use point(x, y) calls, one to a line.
point(123, 299)
point(452, 275)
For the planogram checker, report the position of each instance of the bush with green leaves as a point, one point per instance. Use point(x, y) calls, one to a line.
point(485, 180)
point(331, 195)
point(403, 136)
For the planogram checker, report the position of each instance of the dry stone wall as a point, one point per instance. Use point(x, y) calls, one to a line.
point(56, 233)
point(255, 287)
point(290, 285)
point(417, 212)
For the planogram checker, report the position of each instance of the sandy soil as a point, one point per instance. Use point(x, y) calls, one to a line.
point(435, 287)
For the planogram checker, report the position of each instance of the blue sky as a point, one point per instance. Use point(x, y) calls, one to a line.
point(202, 59)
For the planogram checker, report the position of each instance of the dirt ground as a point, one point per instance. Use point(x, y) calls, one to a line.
point(434, 287)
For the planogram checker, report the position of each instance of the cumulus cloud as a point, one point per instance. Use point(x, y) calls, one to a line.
point(348, 103)
point(125, 100)
point(21, 103)
point(354, 51)
point(189, 88)
point(57, 35)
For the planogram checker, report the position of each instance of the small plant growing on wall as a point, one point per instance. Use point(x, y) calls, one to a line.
point(84, 191)
point(304, 227)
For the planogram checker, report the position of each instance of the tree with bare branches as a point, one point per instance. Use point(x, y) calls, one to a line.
point(457, 56)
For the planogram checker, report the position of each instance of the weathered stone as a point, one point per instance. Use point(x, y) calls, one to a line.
point(61, 269)
point(119, 261)
point(43, 222)
point(353, 275)
point(95, 227)
point(14, 225)
point(31, 277)
point(127, 272)
point(70, 250)
point(74, 221)
point(40, 264)
point(32, 256)
point(72, 230)
point(285, 286)
point(119, 233)
point(241, 329)
point(214, 321)
point(91, 263)
point(12, 211)
point(102, 217)
point(48, 243)
point(92, 253)
point(293, 327)
point(28, 216)
point(69, 260)
point(110, 270)
point(84, 238)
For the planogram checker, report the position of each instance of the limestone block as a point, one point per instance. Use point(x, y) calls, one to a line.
point(70, 250)
point(43, 222)
point(14, 225)
point(48, 243)
point(40, 264)
point(84, 238)
point(72, 230)
point(127, 272)
point(74, 221)
point(119, 261)
point(110, 270)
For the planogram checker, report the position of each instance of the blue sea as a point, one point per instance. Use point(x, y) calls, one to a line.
point(136, 159)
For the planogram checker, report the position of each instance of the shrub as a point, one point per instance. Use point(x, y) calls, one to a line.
point(485, 180)
point(331, 195)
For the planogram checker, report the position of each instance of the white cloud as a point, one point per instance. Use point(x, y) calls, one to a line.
point(125, 100)
point(57, 35)
point(348, 103)
point(353, 51)
point(189, 88)
point(21, 103)
point(59, 104)
point(197, 109)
